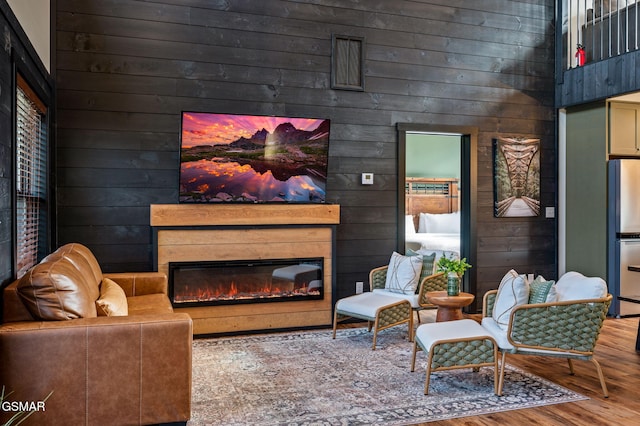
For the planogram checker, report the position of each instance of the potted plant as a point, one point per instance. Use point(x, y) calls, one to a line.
point(455, 268)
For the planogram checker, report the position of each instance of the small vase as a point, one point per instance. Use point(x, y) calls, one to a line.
point(453, 285)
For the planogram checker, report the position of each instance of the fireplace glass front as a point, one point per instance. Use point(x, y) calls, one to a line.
point(245, 281)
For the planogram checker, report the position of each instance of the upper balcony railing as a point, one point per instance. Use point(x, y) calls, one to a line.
point(595, 30)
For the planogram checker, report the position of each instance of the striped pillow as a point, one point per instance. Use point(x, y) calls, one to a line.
point(540, 289)
point(428, 263)
point(403, 274)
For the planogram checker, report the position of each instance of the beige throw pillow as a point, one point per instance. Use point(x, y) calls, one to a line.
point(403, 274)
point(112, 301)
point(513, 291)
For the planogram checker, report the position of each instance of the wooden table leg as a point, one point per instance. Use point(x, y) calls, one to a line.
point(448, 314)
point(449, 307)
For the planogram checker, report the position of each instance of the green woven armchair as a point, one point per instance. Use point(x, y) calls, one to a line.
point(567, 329)
point(428, 282)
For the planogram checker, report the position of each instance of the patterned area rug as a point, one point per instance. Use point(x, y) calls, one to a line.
point(307, 378)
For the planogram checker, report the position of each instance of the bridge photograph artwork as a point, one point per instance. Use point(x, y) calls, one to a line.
point(516, 173)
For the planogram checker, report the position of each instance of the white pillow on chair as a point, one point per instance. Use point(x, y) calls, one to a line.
point(513, 291)
point(575, 286)
point(403, 274)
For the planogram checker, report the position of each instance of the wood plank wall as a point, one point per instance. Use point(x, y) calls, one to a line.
point(16, 53)
point(126, 69)
point(599, 80)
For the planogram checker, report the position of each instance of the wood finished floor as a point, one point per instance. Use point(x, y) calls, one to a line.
point(621, 366)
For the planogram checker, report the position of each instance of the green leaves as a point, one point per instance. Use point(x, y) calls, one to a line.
point(457, 266)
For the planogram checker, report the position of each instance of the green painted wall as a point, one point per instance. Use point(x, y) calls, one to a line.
point(586, 222)
point(434, 156)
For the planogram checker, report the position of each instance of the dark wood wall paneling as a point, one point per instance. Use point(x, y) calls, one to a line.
point(599, 80)
point(126, 69)
point(16, 49)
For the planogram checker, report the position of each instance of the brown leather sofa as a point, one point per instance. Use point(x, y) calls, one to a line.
point(111, 354)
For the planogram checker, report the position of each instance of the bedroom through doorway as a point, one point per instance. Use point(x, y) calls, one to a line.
point(436, 192)
point(432, 204)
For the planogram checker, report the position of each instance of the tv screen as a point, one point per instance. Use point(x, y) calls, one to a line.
point(253, 159)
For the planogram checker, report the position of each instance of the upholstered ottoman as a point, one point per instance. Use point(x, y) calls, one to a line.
point(456, 344)
point(379, 310)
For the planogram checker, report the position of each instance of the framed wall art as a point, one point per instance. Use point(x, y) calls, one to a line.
point(516, 177)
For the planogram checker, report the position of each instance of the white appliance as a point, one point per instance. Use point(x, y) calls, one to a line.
point(624, 235)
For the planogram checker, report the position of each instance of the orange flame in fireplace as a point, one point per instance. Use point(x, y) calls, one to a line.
point(266, 290)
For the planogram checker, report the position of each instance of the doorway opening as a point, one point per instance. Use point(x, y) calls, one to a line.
point(432, 204)
point(437, 169)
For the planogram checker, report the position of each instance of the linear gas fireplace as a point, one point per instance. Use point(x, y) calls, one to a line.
point(245, 281)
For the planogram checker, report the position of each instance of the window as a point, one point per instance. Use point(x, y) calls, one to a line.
point(31, 177)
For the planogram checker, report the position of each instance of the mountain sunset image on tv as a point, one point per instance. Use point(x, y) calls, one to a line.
point(253, 159)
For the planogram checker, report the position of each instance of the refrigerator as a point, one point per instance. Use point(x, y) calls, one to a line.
point(624, 235)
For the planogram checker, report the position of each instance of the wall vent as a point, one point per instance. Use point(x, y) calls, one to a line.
point(347, 63)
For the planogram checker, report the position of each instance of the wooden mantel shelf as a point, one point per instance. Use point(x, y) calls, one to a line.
point(244, 214)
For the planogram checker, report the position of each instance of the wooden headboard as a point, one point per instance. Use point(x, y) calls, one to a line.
point(430, 195)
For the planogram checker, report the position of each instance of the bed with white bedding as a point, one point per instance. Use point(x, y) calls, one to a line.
point(437, 232)
point(433, 218)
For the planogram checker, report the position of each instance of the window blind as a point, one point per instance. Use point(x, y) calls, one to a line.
point(31, 176)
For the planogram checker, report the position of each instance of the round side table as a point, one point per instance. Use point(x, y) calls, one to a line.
point(449, 307)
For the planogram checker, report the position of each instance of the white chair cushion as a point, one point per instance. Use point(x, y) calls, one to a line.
point(366, 304)
point(497, 332)
point(575, 286)
point(412, 298)
point(513, 291)
point(429, 334)
point(403, 274)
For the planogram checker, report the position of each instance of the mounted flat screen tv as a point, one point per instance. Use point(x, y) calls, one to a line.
point(253, 159)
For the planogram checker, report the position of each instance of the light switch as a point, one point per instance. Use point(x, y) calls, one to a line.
point(550, 212)
point(367, 178)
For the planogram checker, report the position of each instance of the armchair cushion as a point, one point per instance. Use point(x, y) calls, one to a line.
point(149, 304)
point(112, 301)
point(56, 290)
point(413, 299)
point(497, 332)
point(403, 274)
point(575, 286)
point(513, 291)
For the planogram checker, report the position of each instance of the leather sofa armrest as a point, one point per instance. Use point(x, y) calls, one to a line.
point(105, 370)
point(140, 283)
